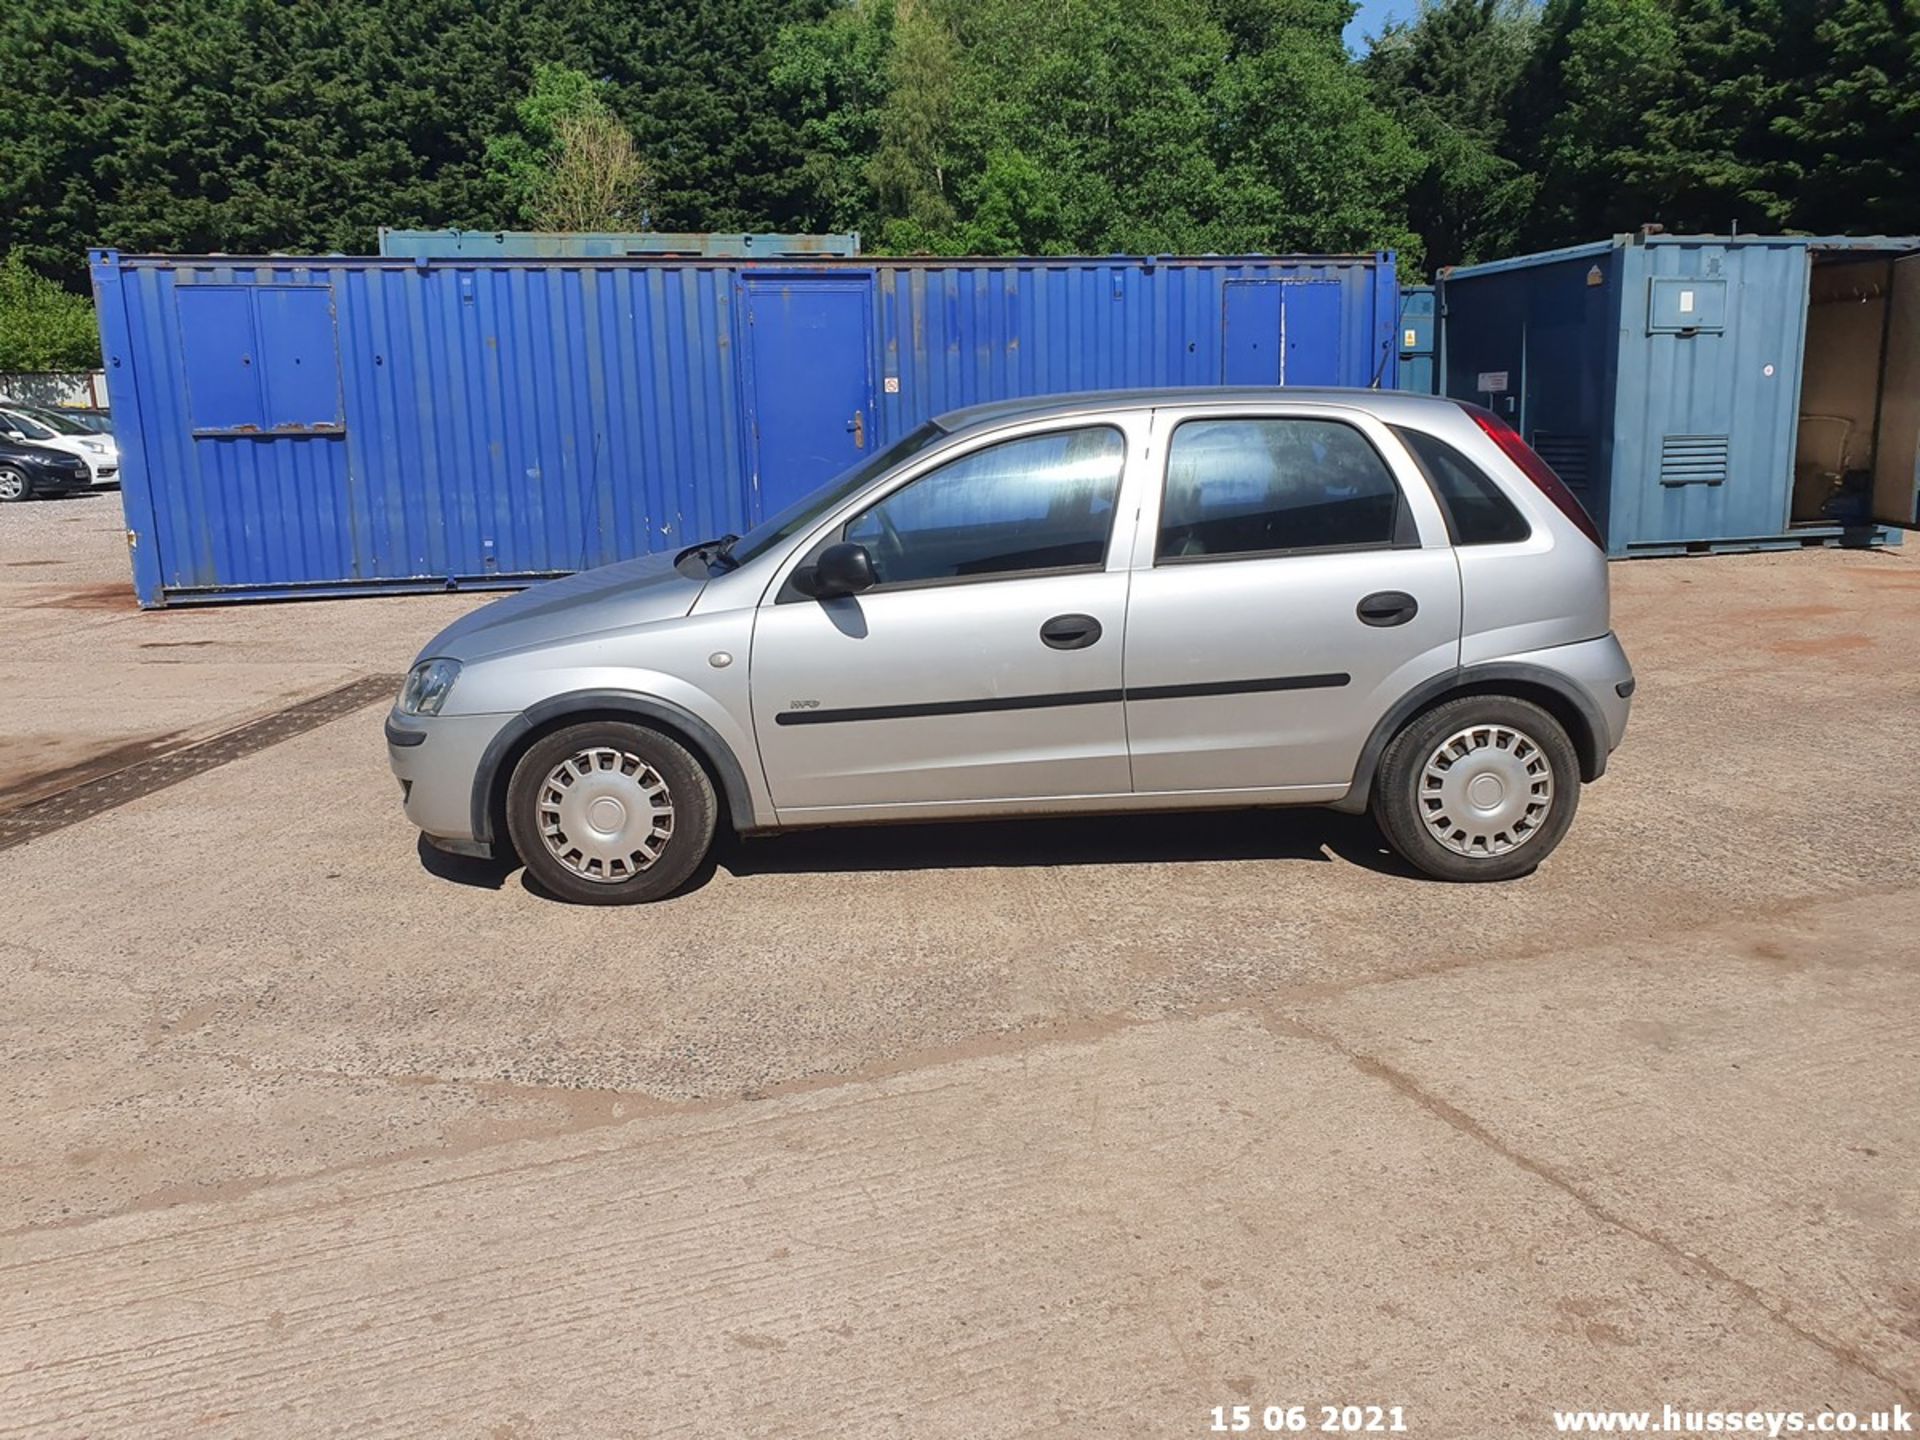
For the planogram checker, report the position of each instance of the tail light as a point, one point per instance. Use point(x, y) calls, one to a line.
point(1535, 469)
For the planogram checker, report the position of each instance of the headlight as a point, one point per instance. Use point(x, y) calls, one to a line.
point(427, 686)
point(98, 447)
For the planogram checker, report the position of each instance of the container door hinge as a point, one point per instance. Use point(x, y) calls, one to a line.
point(133, 539)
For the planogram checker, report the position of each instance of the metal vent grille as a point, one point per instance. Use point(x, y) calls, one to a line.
point(1566, 456)
point(1693, 459)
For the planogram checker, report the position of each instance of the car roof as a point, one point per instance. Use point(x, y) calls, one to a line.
point(1385, 403)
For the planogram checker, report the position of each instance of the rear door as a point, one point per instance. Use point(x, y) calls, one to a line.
point(1292, 580)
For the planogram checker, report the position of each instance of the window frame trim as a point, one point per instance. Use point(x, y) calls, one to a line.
point(1406, 516)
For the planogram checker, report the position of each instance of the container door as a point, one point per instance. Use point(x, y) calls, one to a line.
point(1310, 325)
point(1896, 467)
point(1281, 332)
point(809, 384)
point(1250, 327)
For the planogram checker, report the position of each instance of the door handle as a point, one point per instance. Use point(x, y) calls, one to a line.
point(858, 425)
point(1070, 632)
point(1387, 607)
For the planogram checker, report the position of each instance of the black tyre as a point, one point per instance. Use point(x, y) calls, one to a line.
point(14, 484)
point(608, 813)
point(1480, 788)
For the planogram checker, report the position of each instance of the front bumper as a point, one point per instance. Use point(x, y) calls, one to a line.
point(436, 759)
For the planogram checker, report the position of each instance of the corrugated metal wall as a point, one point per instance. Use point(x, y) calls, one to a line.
point(1735, 387)
point(1660, 376)
point(502, 421)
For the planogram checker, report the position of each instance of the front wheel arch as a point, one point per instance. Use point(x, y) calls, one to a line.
point(528, 728)
point(1552, 692)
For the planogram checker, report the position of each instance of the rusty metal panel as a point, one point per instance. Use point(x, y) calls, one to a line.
point(561, 244)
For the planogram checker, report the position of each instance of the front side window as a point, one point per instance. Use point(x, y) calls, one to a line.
point(1041, 503)
point(1253, 487)
point(58, 423)
point(27, 426)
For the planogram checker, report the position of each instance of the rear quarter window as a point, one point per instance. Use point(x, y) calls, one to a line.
point(1477, 511)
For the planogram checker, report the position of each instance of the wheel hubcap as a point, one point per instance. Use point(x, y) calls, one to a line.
point(1486, 790)
point(12, 485)
point(605, 814)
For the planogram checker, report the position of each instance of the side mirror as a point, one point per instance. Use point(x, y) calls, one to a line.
point(843, 569)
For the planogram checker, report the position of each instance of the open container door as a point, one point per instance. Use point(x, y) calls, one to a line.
point(1896, 461)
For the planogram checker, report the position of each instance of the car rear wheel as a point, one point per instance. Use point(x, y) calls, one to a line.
point(1480, 788)
point(13, 484)
point(609, 813)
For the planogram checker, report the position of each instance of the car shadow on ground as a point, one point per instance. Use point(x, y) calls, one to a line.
point(1169, 837)
point(1160, 838)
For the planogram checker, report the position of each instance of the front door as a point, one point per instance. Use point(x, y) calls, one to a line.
point(1291, 589)
point(810, 383)
point(984, 664)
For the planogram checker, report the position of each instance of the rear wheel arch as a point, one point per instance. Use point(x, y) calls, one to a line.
point(524, 731)
point(1552, 692)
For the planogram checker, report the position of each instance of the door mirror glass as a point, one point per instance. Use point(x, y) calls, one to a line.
point(842, 569)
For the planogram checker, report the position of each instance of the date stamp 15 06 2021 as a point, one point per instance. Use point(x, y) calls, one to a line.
point(1327, 1419)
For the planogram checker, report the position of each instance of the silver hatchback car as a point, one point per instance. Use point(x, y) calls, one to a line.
point(1174, 599)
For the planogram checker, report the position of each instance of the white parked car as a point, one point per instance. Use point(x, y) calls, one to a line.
point(39, 425)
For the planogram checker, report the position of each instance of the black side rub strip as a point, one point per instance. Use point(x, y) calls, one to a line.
point(1068, 697)
point(1242, 687)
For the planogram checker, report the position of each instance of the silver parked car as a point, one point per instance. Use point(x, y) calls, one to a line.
point(1132, 601)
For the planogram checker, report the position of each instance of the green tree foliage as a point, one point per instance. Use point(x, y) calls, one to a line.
point(998, 126)
point(569, 163)
point(1450, 78)
point(1854, 127)
point(43, 327)
point(1599, 67)
point(1312, 163)
point(834, 77)
point(1479, 128)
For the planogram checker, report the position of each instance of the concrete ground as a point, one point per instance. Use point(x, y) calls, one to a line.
point(1057, 1128)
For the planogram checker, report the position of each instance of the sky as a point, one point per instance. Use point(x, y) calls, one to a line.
point(1372, 17)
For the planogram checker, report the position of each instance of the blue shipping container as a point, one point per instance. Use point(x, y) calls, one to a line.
point(368, 425)
point(1706, 392)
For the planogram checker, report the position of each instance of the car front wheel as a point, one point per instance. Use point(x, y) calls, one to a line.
point(610, 813)
point(1480, 788)
point(14, 484)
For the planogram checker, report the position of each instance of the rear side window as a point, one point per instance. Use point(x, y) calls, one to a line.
point(1260, 487)
point(1477, 513)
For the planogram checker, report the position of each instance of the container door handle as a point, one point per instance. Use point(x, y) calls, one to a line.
point(858, 425)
